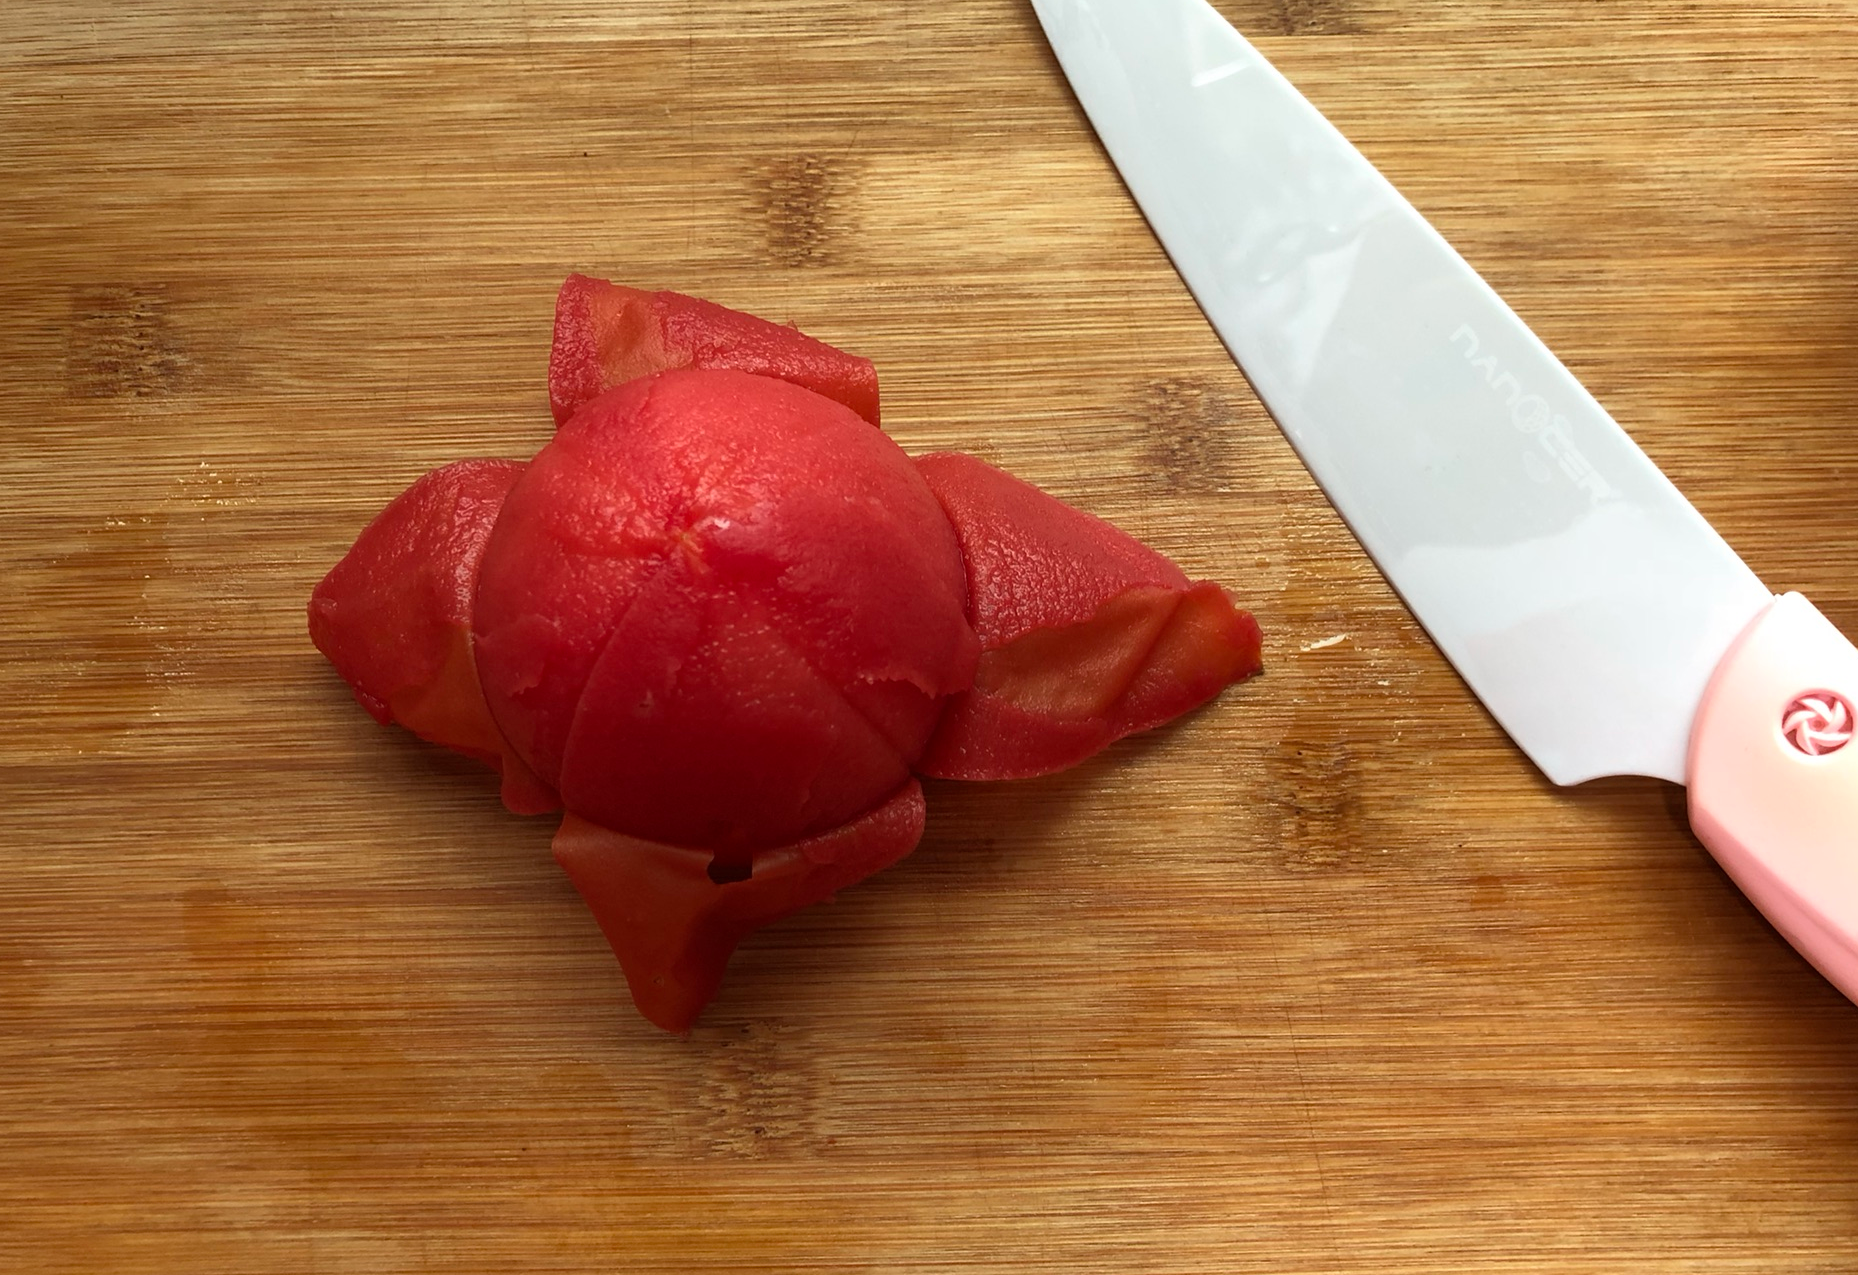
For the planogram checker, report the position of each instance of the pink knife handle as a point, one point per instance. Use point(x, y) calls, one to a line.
point(1774, 780)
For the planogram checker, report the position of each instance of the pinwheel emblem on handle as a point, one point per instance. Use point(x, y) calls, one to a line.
point(1818, 722)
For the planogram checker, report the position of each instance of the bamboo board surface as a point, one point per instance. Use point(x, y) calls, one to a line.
point(1324, 978)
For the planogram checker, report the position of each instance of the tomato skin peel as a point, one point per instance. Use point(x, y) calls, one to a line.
point(673, 924)
point(607, 334)
point(725, 622)
point(394, 617)
point(1087, 634)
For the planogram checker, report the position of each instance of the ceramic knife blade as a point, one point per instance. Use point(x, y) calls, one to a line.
point(1599, 617)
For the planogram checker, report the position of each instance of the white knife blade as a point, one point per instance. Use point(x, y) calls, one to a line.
point(1595, 613)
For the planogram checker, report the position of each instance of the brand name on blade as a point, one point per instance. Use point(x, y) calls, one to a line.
point(1532, 417)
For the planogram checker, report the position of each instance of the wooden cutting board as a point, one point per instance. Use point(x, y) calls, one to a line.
point(1324, 978)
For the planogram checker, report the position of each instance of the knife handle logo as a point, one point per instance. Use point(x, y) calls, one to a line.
point(1531, 416)
point(1817, 723)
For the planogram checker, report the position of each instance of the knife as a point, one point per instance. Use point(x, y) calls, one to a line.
point(1597, 615)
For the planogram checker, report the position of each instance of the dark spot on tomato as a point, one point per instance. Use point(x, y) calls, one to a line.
point(727, 871)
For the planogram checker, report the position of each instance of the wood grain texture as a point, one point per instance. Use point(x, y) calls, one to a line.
point(1322, 979)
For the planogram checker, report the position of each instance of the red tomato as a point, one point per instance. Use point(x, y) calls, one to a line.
point(728, 621)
